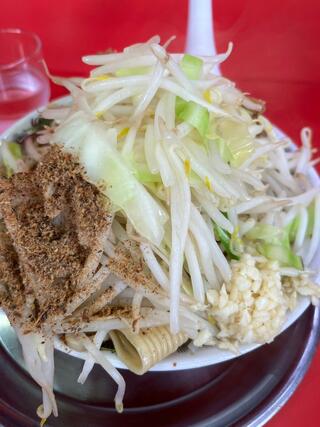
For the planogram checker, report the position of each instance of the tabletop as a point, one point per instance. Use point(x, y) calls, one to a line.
point(276, 57)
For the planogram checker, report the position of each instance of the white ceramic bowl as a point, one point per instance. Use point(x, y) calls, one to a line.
point(204, 356)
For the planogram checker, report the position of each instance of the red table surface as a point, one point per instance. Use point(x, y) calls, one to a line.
point(276, 57)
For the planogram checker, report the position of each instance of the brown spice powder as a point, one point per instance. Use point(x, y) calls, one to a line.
point(54, 219)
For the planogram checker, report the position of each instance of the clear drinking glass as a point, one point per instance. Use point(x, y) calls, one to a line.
point(24, 85)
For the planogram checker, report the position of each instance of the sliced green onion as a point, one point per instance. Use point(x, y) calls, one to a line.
point(274, 244)
point(191, 66)
point(194, 114)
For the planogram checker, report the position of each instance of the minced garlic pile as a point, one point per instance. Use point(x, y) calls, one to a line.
point(253, 306)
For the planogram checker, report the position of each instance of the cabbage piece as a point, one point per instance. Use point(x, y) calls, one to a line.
point(233, 140)
point(274, 243)
point(268, 233)
point(191, 66)
point(133, 71)
point(283, 255)
point(236, 244)
point(294, 225)
point(187, 287)
point(224, 150)
point(292, 228)
point(143, 174)
point(105, 167)
point(228, 242)
point(194, 114)
point(15, 150)
point(311, 214)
